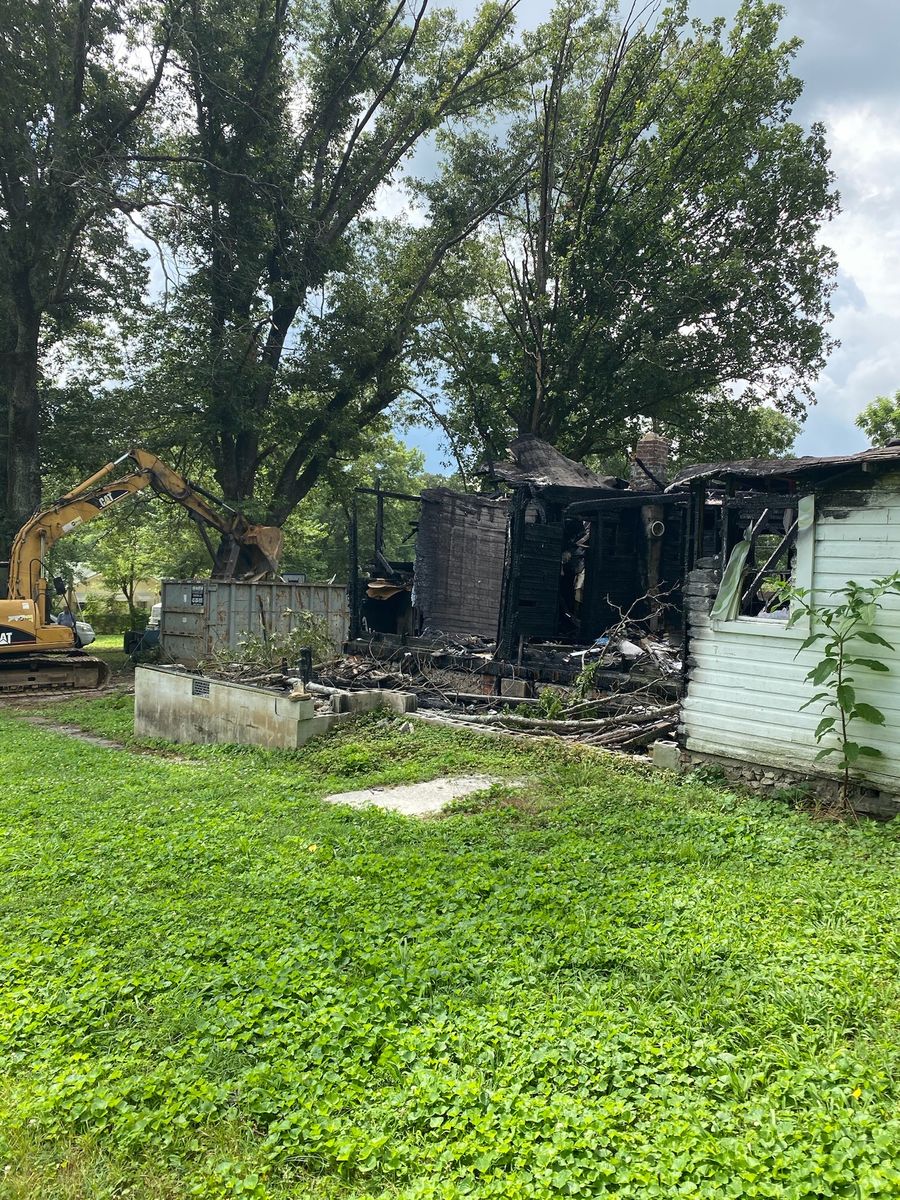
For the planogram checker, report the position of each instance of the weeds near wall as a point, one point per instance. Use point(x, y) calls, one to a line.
point(837, 630)
point(268, 649)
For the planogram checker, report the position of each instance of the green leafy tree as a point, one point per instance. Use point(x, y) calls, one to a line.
point(70, 104)
point(722, 428)
point(665, 242)
point(317, 533)
point(288, 336)
point(880, 420)
point(707, 429)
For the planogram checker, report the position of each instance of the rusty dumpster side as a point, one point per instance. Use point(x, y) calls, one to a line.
point(202, 616)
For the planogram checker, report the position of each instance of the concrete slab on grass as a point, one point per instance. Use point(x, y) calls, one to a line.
point(414, 799)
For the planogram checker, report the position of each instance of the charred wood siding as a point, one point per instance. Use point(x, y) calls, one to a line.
point(460, 550)
point(538, 568)
point(613, 578)
point(672, 565)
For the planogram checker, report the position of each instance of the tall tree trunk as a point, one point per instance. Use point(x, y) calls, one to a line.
point(4, 455)
point(23, 467)
point(129, 587)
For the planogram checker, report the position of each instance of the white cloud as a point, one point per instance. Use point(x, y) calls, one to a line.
point(865, 144)
point(866, 236)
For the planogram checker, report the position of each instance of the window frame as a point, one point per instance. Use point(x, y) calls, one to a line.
point(797, 624)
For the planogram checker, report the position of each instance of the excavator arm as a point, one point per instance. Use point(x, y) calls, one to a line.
point(36, 652)
point(246, 550)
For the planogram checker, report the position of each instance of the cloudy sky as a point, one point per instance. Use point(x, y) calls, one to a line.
point(849, 65)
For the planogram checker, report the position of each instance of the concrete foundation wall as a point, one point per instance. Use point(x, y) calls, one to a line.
point(180, 707)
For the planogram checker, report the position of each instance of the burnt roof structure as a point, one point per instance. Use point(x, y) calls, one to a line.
point(536, 463)
point(788, 468)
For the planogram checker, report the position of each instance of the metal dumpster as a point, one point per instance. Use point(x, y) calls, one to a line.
point(201, 616)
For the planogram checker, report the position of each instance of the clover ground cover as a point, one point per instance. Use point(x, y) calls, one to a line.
point(605, 984)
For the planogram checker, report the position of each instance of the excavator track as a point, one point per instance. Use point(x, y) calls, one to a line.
point(51, 672)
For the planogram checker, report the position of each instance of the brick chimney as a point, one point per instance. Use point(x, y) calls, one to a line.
point(653, 451)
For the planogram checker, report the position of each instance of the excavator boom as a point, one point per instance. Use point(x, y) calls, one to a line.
point(34, 651)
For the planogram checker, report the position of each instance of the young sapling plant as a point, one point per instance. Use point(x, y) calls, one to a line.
point(837, 630)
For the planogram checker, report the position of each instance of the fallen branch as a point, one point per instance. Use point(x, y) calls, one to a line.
point(557, 725)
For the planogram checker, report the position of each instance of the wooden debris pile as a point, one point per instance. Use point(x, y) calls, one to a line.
point(629, 719)
point(253, 676)
point(284, 678)
point(631, 729)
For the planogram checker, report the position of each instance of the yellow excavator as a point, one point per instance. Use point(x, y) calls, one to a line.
point(35, 651)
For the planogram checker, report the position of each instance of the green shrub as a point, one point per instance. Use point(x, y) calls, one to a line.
point(109, 615)
point(310, 630)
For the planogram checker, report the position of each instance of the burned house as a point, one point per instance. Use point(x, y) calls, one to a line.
point(548, 558)
point(583, 549)
point(818, 523)
point(549, 564)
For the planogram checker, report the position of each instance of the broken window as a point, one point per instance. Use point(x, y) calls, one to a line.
point(765, 559)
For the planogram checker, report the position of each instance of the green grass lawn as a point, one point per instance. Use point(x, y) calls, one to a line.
point(109, 647)
point(606, 984)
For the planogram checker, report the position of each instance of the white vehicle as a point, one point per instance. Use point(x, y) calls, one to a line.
point(155, 616)
point(85, 631)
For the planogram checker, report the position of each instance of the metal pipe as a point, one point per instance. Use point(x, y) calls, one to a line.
point(379, 524)
point(353, 548)
point(367, 491)
point(95, 478)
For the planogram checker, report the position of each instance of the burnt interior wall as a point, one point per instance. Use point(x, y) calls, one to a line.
point(616, 568)
point(613, 570)
point(548, 544)
point(392, 615)
point(538, 567)
point(531, 584)
point(460, 548)
point(672, 565)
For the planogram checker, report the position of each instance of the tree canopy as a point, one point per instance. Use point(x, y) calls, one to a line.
point(665, 241)
point(287, 334)
point(880, 420)
point(359, 212)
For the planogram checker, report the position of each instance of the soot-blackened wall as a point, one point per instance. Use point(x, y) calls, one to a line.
point(460, 548)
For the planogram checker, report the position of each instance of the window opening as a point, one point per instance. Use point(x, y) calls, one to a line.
point(763, 561)
point(770, 564)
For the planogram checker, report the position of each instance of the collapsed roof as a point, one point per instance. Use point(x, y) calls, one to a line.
point(539, 464)
point(786, 468)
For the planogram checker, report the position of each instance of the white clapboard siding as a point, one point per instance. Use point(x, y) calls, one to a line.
point(746, 680)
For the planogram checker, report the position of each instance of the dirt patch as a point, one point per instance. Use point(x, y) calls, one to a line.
point(95, 739)
point(92, 739)
point(41, 697)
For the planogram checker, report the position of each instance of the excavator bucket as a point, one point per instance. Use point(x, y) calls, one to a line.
point(256, 555)
point(269, 541)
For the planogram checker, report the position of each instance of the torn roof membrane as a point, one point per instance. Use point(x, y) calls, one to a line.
point(539, 464)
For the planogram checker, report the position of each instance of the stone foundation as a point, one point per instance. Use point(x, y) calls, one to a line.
point(757, 777)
